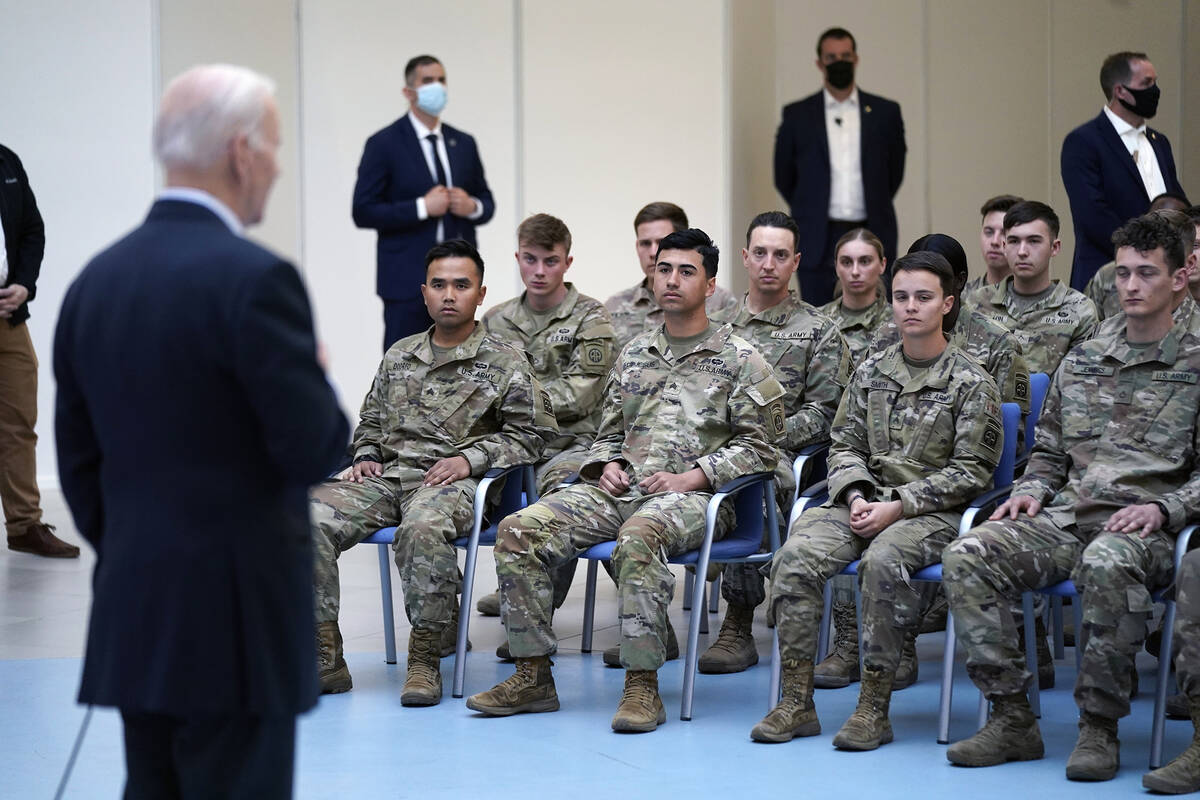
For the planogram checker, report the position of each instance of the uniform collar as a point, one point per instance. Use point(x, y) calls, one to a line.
point(778, 315)
point(520, 315)
point(1166, 352)
point(421, 347)
point(715, 342)
point(936, 377)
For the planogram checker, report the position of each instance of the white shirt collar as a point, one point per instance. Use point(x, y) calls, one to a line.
point(189, 194)
point(833, 102)
point(1123, 127)
point(420, 128)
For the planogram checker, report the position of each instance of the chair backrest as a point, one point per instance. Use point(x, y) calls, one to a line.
point(1039, 384)
point(512, 496)
point(1011, 416)
point(748, 505)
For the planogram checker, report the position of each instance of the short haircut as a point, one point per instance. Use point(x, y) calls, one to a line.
point(1001, 202)
point(1150, 232)
point(836, 33)
point(1171, 200)
point(415, 63)
point(775, 219)
point(1118, 69)
point(653, 212)
point(454, 248)
point(858, 235)
point(205, 109)
point(928, 261)
point(1183, 223)
point(696, 240)
point(544, 231)
point(1194, 213)
point(1028, 211)
point(946, 246)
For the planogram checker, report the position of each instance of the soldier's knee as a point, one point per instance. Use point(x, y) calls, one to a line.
point(1105, 560)
point(879, 562)
point(639, 543)
point(516, 534)
point(963, 556)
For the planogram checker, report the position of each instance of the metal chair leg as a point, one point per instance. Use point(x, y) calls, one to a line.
point(589, 607)
point(1035, 693)
point(1059, 636)
point(385, 595)
point(823, 631)
point(714, 600)
point(776, 687)
point(947, 694)
point(1161, 687)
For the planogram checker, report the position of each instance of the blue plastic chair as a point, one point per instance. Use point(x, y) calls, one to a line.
point(741, 545)
point(1039, 384)
point(514, 496)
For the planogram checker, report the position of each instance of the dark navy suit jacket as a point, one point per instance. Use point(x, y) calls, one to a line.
point(1105, 190)
point(191, 418)
point(802, 169)
point(393, 173)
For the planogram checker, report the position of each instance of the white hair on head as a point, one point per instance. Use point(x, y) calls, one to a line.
point(204, 109)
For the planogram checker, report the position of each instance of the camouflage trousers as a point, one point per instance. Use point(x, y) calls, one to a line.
point(549, 474)
point(427, 520)
point(984, 574)
point(819, 545)
point(1114, 577)
point(1187, 626)
point(648, 530)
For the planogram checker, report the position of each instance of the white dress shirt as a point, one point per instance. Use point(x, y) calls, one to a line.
point(187, 194)
point(3, 257)
point(843, 128)
point(1138, 145)
point(440, 154)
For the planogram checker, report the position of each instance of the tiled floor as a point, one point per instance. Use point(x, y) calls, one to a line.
point(365, 744)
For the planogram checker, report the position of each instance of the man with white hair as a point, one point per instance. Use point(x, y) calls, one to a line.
point(192, 416)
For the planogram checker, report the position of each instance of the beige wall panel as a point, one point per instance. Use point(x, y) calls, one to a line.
point(987, 82)
point(260, 35)
point(891, 54)
point(752, 123)
point(1084, 32)
point(352, 66)
point(1187, 151)
point(616, 115)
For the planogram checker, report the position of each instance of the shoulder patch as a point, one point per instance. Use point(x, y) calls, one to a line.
point(991, 435)
point(1021, 385)
point(547, 406)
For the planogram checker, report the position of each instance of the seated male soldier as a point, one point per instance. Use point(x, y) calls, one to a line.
point(689, 407)
point(445, 406)
point(568, 339)
point(1111, 480)
point(917, 435)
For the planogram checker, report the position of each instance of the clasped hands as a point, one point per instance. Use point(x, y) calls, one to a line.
point(439, 200)
point(444, 471)
point(615, 480)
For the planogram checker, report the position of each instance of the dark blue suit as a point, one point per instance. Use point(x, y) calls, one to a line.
point(392, 175)
point(1105, 190)
point(191, 418)
point(802, 177)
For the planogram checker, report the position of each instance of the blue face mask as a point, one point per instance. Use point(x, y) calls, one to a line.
point(431, 98)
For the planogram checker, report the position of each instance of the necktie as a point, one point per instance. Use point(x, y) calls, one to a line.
point(437, 160)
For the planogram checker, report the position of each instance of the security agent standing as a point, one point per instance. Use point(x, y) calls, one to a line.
point(839, 161)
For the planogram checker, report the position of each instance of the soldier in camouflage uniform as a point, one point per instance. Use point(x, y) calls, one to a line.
point(568, 340)
point(997, 350)
point(688, 408)
point(1047, 317)
point(991, 247)
point(1112, 478)
point(445, 407)
point(918, 434)
point(812, 362)
point(635, 310)
point(863, 306)
point(1102, 288)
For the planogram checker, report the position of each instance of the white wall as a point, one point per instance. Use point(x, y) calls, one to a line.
point(77, 95)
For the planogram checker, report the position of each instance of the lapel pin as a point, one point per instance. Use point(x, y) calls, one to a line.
point(867, 109)
point(453, 142)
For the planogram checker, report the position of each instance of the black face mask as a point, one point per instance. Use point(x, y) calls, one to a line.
point(840, 74)
point(1145, 101)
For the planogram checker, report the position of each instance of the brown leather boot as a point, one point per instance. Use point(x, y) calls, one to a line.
point(331, 667)
point(528, 690)
point(423, 680)
point(1097, 753)
point(794, 715)
point(641, 709)
point(448, 642)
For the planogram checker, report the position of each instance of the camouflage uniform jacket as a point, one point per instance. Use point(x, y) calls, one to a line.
point(717, 406)
point(858, 327)
point(1102, 291)
point(976, 290)
point(931, 443)
point(809, 357)
point(635, 311)
point(1119, 428)
point(1185, 317)
point(570, 355)
point(986, 341)
point(483, 404)
point(1048, 328)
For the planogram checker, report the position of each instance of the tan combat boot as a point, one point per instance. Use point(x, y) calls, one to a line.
point(331, 667)
point(528, 690)
point(868, 727)
point(1182, 775)
point(734, 649)
point(448, 642)
point(795, 714)
point(840, 667)
point(612, 656)
point(1011, 734)
point(423, 681)
point(906, 671)
point(1097, 753)
point(489, 604)
point(641, 709)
